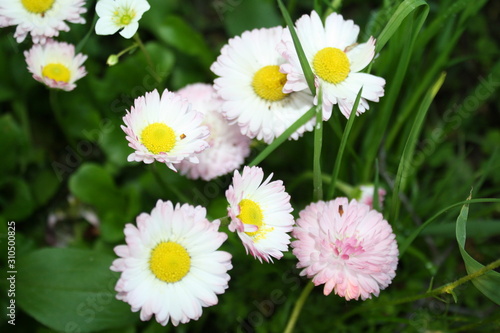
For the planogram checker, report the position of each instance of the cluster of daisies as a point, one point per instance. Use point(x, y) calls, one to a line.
point(172, 266)
point(55, 63)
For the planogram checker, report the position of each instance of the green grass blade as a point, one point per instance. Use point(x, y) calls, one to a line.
point(343, 142)
point(405, 166)
point(318, 141)
point(306, 68)
point(404, 245)
point(405, 8)
point(487, 283)
point(282, 138)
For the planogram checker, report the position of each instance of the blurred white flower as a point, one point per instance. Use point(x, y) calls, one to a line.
point(123, 15)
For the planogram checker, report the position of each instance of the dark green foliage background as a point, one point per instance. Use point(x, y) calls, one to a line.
point(64, 152)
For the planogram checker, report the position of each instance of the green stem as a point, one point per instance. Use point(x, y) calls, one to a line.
point(148, 57)
point(447, 288)
point(131, 47)
point(318, 141)
point(298, 307)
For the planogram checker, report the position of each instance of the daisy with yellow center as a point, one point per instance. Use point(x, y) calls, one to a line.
point(123, 15)
point(165, 129)
point(42, 19)
point(260, 213)
point(170, 265)
point(55, 64)
point(251, 86)
point(336, 61)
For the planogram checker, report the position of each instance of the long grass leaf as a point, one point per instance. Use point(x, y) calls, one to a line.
point(343, 142)
point(405, 168)
point(306, 68)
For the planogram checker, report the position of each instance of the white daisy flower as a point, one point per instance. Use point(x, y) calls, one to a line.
point(170, 266)
point(335, 59)
point(43, 19)
point(260, 213)
point(164, 129)
point(251, 86)
point(228, 147)
point(119, 14)
point(55, 64)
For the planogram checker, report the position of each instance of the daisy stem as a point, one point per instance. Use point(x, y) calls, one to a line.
point(56, 110)
point(131, 47)
point(298, 307)
point(318, 141)
point(446, 289)
point(148, 57)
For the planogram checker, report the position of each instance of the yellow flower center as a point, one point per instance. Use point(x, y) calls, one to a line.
point(268, 83)
point(37, 6)
point(123, 16)
point(251, 213)
point(169, 262)
point(158, 138)
point(331, 64)
point(57, 72)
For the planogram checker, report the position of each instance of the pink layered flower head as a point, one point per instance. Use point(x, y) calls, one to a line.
point(336, 61)
point(164, 128)
point(55, 64)
point(170, 265)
point(251, 86)
point(260, 213)
point(347, 247)
point(41, 19)
point(228, 147)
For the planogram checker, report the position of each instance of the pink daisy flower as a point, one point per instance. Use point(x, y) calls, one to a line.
point(170, 266)
point(43, 19)
point(164, 129)
point(228, 147)
point(260, 213)
point(336, 61)
point(55, 64)
point(366, 193)
point(347, 247)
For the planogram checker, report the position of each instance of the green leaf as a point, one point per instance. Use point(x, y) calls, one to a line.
point(176, 32)
point(94, 185)
point(405, 165)
point(16, 200)
point(343, 143)
point(239, 16)
point(13, 144)
point(487, 283)
point(304, 63)
point(406, 8)
point(71, 290)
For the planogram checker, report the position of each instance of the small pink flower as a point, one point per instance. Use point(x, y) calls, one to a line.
point(366, 195)
point(346, 246)
point(55, 64)
point(228, 147)
point(260, 213)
